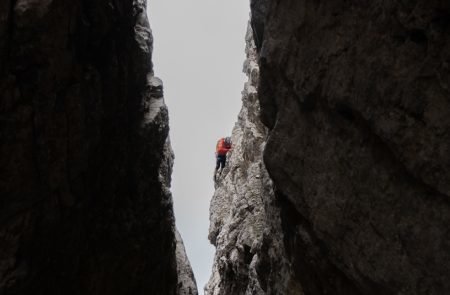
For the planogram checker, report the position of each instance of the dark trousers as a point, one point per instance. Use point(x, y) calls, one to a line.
point(221, 160)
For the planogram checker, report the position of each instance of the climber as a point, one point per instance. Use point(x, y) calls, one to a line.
point(222, 148)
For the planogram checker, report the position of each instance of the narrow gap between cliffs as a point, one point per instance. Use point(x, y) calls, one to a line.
point(199, 50)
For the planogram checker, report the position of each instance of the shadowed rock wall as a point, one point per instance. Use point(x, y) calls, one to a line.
point(85, 163)
point(356, 97)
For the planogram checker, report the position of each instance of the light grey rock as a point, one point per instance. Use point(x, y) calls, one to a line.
point(244, 224)
point(356, 97)
point(186, 280)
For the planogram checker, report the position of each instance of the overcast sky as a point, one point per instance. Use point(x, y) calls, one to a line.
point(199, 49)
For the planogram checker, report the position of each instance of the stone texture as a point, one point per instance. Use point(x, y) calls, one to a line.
point(244, 222)
point(186, 279)
point(259, 10)
point(85, 161)
point(356, 97)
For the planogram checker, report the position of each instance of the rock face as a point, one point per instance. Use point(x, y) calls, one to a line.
point(356, 97)
point(186, 279)
point(85, 161)
point(244, 223)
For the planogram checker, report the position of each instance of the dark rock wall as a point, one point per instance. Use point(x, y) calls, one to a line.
point(356, 97)
point(85, 165)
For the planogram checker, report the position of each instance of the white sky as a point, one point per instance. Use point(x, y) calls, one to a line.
point(199, 49)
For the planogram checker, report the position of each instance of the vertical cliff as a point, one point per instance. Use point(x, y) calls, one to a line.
point(244, 221)
point(356, 97)
point(85, 162)
point(186, 280)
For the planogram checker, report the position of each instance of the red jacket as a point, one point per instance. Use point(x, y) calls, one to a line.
point(221, 148)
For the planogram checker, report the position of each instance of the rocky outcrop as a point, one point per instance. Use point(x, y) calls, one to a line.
point(244, 222)
point(356, 97)
point(186, 280)
point(85, 162)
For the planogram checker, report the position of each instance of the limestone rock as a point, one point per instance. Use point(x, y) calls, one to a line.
point(356, 97)
point(244, 223)
point(186, 280)
point(85, 161)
